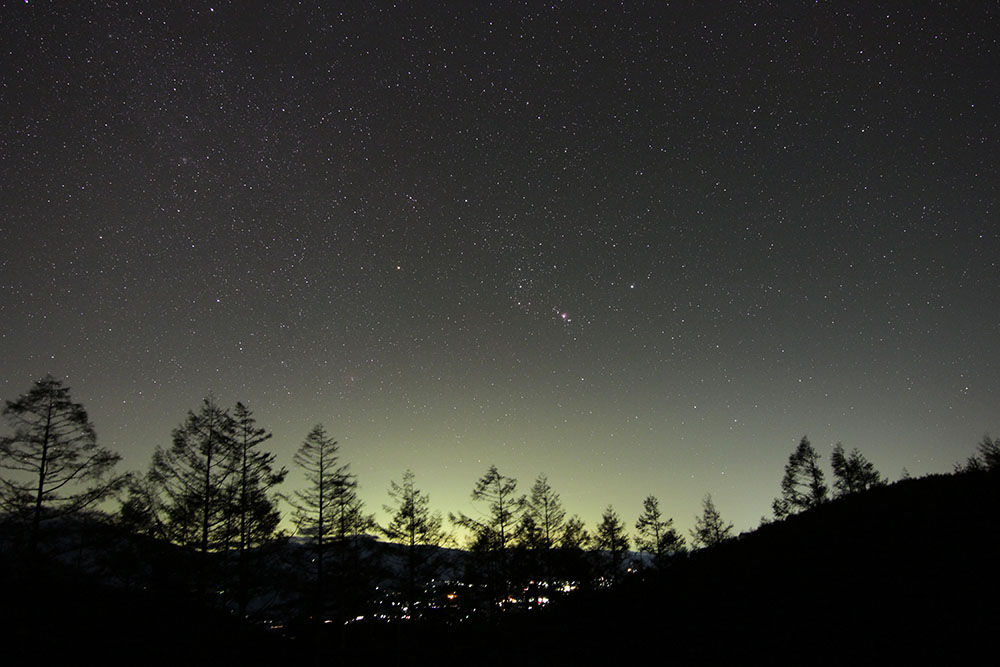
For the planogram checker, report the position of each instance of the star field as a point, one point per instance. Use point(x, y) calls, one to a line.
point(643, 249)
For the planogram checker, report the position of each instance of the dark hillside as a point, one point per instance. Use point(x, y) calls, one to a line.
point(900, 572)
point(51, 614)
point(906, 570)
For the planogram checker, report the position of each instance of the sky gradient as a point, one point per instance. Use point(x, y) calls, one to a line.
point(642, 250)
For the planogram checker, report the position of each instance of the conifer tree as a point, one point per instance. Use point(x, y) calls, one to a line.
point(187, 494)
point(416, 528)
point(709, 528)
point(328, 512)
point(612, 539)
point(192, 479)
point(546, 511)
point(527, 535)
point(656, 535)
point(987, 457)
point(541, 527)
point(318, 459)
point(570, 562)
point(493, 533)
point(575, 535)
point(989, 453)
point(852, 473)
point(55, 466)
point(349, 517)
point(254, 503)
point(802, 487)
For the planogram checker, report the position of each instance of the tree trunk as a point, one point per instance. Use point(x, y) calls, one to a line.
point(36, 519)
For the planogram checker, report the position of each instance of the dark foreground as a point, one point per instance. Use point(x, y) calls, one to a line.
point(904, 572)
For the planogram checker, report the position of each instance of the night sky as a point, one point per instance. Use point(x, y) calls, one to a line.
point(642, 247)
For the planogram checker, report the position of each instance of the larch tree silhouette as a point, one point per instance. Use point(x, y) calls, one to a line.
point(318, 459)
point(54, 466)
point(188, 492)
point(709, 528)
point(493, 533)
point(989, 453)
point(414, 526)
point(574, 534)
point(545, 508)
point(656, 535)
point(254, 503)
point(570, 561)
point(802, 486)
point(852, 473)
point(542, 524)
point(329, 513)
point(611, 538)
point(986, 458)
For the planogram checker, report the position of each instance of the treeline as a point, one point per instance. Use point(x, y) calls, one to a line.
point(205, 516)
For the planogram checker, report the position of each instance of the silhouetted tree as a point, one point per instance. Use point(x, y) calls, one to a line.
point(528, 535)
point(989, 453)
point(254, 502)
point(852, 473)
point(544, 507)
point(193, 476)
point(138, 513)
point(541, 527)
point(492, 534)
point(57, 467)
point(654, 535)
point(349, 517)
point(986, 458)
point(709, 528)
point(575, 535)
point(414, 526)
point(612, 539)
point(571, 562)
point(188, 488)
point(802, 487)
point(528, 551)
point(326, 510)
